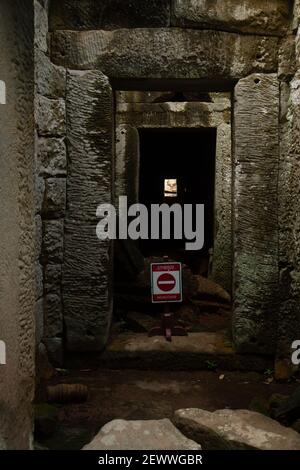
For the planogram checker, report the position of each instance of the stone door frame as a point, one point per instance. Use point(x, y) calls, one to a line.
point(134, 115)
point(96, 59)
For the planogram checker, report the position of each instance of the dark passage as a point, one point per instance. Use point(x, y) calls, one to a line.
point(186, 157)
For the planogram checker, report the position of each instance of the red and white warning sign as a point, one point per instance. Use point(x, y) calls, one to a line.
point(166, 282)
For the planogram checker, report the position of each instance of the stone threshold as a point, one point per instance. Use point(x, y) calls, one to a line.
point(197, 351)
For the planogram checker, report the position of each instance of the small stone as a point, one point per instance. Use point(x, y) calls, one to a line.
point(140, 435)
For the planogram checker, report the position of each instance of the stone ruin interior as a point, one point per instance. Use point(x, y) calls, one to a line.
point(162, 101)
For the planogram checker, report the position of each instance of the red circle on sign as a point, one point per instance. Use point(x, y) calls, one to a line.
point(166, 282)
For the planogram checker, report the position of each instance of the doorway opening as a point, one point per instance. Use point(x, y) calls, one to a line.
point(178, 166)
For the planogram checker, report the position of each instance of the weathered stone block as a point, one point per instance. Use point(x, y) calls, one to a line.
point(287, 58)
point(289, 220)
point(55, 197)
point(51, 157)
point(235, 430)
point(52, 278)
point(40, 27)
point(53, 241)
point(174, 53)
point(49, 78)
point(87, 268)
point(256, 213)
point(248, 16)
point(50, 117)
point(296, 15)
point(108, 14)
point(53, 320)
point(142, 435)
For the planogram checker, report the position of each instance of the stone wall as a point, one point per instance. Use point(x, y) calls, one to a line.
point(248, 16)
point(17, 224)
point(218, 44)
point(289, 194)
point(50, 182)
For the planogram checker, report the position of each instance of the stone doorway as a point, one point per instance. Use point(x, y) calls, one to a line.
point(177, 166)
point(97, 65)
point(183, 137)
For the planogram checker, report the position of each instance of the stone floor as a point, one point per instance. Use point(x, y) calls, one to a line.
point(131, 394)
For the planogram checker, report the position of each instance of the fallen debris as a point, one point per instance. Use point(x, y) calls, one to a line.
point(160, 434)
point(67, 393)
point(235, 429)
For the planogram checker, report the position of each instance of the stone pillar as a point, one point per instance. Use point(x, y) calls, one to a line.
point(87, 268)
point(17, 273)
point(222, 256)
point(127, 163)
point(256, 149)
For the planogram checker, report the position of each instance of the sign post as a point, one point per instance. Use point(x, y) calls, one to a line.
point(166, 282)
point(166, 288)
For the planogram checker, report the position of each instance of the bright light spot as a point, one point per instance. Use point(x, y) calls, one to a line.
point(170, 188)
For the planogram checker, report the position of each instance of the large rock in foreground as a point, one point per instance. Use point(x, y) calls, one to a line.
point(140, 435)
point(236, 430)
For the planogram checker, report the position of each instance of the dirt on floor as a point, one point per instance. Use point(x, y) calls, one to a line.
point(132, 395)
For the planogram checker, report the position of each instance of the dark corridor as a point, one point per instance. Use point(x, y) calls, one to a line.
point(187, 158)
